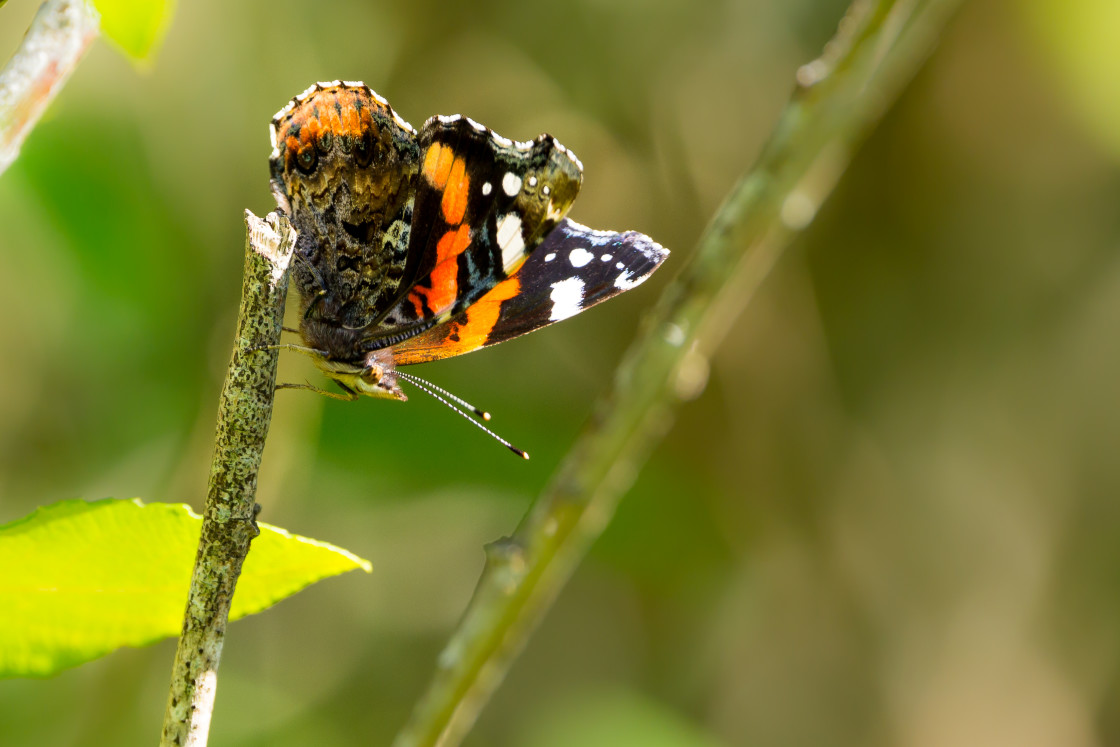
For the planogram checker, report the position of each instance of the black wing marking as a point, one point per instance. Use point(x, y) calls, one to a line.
point(574, 268)
point(482, 204)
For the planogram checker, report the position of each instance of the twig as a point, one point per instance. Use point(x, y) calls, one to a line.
point(59, 35)
point(879, 45)
point(228, 526)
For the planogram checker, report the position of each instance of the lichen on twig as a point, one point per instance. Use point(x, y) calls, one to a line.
point(228, 526)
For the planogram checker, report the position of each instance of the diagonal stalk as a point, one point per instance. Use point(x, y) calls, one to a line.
point(837, 100)
point(228, 521)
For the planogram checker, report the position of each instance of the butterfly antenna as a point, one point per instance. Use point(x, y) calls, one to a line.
point(457, 400)
point(432, 389)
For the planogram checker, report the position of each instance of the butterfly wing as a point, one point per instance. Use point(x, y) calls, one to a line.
point(573, 269)
point(482, 204)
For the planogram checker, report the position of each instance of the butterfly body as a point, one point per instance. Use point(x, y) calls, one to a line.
point(415, 246)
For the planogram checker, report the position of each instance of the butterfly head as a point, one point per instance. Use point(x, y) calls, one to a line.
point(376, 377)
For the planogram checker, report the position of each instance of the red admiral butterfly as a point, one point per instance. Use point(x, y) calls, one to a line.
point(419, 246)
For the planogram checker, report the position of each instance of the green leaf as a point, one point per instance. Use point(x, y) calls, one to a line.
point(137, 26)
point(81, 579)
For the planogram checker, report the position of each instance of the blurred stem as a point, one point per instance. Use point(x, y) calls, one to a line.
point(228, 525)
point(837, 99)
point(59, 36)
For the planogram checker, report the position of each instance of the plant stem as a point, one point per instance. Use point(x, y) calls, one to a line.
point(838, 98)
point(228, 525)
point(59, 36)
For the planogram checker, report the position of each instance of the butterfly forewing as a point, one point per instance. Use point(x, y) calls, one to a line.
point(482, 205)
point(573, 269)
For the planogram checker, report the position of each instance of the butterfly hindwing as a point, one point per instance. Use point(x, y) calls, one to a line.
point(343, 165)
point(572, 269)
point(482, 204)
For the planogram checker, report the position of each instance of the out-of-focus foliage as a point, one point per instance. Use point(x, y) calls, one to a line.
point(82, 579)
point(136, 26)
point(891, 517)
point(1083, 39)
point(603, 717)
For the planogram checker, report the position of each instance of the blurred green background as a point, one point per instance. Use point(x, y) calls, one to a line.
point(890, 519)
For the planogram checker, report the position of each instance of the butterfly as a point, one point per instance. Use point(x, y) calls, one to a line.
point(416, 246)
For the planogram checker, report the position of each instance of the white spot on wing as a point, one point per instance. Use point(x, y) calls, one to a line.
point(532, 181)
point(580, 257)
point(510, 241)
point(511, 183)
point(486, 188)
point(567, 299)
point(625, 281)
point(550, 256)
point(606, 258)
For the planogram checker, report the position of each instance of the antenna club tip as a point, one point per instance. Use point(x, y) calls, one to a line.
point(525, 455)
point(485, 415)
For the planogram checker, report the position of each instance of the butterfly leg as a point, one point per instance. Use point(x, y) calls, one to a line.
point(318, 281)
point(314, 302)
point(349, 396)
point(311, 352)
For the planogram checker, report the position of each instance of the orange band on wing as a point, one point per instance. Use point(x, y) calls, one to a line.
point(417, 301)
point(483, 315)
point(470, 333)
point(454, 201)
point(443, 281)
point(453, 243)
point(352, 124)
point(437, 164)
point(310, 132)
point(445, 286)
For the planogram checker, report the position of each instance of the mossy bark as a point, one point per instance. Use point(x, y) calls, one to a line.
point(228, 523)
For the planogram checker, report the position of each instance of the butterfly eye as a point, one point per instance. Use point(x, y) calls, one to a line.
point(325, 142)
point(307, 159)
point(363, 148)
point(372, 374)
